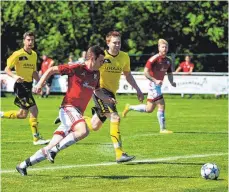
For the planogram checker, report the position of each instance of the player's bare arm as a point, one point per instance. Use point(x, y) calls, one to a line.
point(47, 74)
point(36, 76)
point(17, 78)
point(178, 69)
point(51, 63)
point(104, 97)
point(170, 77)
point(148, 76)
point(130, 79)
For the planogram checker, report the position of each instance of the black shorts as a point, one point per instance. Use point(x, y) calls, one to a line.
point(24, 98)
point(49, 81)
point(101, 107)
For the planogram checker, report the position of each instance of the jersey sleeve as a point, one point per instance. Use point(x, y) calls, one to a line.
point(127, 64)
point(67, 69)
point(151, 61)
point(12, 60)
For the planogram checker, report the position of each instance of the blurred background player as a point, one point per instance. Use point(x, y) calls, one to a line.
point(82, 59)
point(45, 65)
point(83, 80)
point(186, 66)
point(155, 70)
point(25, 62)
point(115, 63)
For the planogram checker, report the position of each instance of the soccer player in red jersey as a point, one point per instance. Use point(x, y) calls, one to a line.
point(83, 81)
point(45, 65)
point(155, 70)
point(186, 66)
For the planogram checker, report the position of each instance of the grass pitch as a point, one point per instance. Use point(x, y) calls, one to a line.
point(164, 163)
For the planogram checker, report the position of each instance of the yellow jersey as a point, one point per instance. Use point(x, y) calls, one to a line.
point(25, 64)
point(112, 69)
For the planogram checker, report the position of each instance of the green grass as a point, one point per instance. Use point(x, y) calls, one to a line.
point(200, 128)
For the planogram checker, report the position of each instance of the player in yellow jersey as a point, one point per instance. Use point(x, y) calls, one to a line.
point(116, 62)
point(25, 63)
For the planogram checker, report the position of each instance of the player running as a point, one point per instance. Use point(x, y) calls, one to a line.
point(83, 80)
point(155, 70)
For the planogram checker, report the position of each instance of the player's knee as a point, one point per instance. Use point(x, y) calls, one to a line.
point(150, 109)
point(115, 117)
point(22, 115)
point(84, 132)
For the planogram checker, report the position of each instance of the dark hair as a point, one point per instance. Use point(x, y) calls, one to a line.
point(28, 33)
point(96, 50)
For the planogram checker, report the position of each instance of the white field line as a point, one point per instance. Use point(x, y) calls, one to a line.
point(113, 163)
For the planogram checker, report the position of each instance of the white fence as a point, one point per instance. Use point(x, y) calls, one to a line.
point(196, 83)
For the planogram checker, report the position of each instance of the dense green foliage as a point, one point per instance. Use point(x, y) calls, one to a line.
point(68, 27)
point(164, 163)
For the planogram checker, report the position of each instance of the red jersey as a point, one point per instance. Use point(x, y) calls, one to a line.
point(186, 66)
point(81, 84)
point(45, 65)
point(158, 66)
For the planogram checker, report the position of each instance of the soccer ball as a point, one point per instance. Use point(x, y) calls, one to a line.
point(210, 171)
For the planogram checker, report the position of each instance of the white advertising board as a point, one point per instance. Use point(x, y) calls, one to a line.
point(196, 83)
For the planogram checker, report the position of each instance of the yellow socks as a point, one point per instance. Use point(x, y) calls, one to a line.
point(88, 122)
point(116, 138)
point(10, 114)
point(34, 128)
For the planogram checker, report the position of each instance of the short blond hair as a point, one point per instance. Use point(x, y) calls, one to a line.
point(162, 41)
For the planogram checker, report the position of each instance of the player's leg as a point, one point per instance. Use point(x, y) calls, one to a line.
point(153, 95)
point(33, 121)
point(39, 156)
point(21, 114)
point(98, 118)
point(19, 101)
point(68, 117)
point(161, 116)
point(121, 156)
point(98, 114)
point(76, 128)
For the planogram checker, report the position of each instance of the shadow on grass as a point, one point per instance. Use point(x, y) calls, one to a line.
point(197, 132)
point(121, 177)
point(168, 163)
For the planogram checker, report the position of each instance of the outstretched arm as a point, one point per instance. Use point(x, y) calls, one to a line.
point(130, 79)
point(104, 97)
point(47, 74)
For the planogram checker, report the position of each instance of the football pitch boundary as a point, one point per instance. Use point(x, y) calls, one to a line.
point(114, 163)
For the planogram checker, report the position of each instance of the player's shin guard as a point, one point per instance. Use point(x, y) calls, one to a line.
point(10, 114)
point(34, 128)
point(116, 138)
point(161, 119)
point(88, 122)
